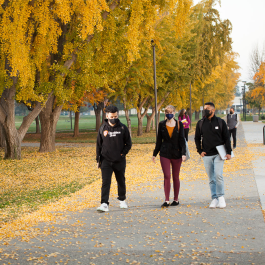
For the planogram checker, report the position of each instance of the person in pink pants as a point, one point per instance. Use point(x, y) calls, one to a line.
point(172, 147)
point(185, 119)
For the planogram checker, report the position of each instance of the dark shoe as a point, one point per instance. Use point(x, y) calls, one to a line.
point(174, 203)
point(165, 204)
point(234, 147)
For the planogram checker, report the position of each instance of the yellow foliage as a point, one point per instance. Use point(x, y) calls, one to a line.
point(259, 78)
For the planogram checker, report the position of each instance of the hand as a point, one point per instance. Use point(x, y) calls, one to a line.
point(183, 158)
point(153, 159)
point(228, 157)
point(203, 154)
point(235, 126)
point(97, 164)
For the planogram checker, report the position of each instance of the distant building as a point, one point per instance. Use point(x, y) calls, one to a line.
point(237, 103)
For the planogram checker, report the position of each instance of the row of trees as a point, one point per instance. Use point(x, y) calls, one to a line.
point(59, 54)
point(256, 93)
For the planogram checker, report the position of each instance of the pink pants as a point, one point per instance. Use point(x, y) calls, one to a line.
point(165, 164)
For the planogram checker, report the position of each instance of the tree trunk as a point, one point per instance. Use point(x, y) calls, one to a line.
point(158, 117)
point(98, 120)
point(13, 144)
point(140, 116)
point(140, 125)
point(152, 116)
point(2, 137)
point(154, 123)
point(149, 120)
point(197, 115)
point(49, 117)
point(76, 129)
point(97, 108)
point(37, 124)
point(103, 116)
point(13, 139)
point(13, 136)
point(126, 110)
point(148, 124)
point(128, 121)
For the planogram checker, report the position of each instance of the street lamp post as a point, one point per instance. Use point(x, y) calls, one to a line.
point(154, 60)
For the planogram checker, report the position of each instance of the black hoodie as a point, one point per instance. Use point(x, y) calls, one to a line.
point(211, 135)
point(114, 143)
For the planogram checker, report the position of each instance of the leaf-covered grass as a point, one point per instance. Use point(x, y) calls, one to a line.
point(32, 183)
point(41, 178)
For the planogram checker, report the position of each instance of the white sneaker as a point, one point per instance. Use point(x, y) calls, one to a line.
point(123, 205)
point(103, 207)
point(213, 204)
point(221, 202)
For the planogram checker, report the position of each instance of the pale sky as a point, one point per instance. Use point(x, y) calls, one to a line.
point(248, 21)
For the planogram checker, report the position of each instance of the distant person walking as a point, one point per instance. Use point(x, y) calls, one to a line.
point(113, 144)
point(212, 131)
point(185, 119)
point(232, 124)
point(172, 147)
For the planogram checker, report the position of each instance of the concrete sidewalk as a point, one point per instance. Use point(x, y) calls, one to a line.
point(254, 137)
point(146, 234)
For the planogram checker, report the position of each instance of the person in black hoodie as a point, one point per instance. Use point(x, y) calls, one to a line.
point(172, 147)
point(113, 144)
point(212, 131)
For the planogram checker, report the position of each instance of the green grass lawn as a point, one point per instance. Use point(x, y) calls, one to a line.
point(249, 117)
point(86, 123)
point(87, 130)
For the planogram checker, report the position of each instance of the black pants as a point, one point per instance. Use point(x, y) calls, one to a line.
point(186, 132)
point(233, 133)
point(107, 168)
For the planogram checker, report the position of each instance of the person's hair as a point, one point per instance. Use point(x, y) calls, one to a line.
point(210, 104)
point(232, 108)
point(181, 113)
point(111, 109)
point(172, 108)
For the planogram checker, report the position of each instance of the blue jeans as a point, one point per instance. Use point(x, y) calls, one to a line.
point(214, 169)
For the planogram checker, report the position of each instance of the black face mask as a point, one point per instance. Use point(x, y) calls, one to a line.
point(207, 113)
point(231, 112)
point(113, 121)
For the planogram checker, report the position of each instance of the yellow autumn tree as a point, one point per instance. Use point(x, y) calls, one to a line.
point(219, 87)
point(259, 79)
point(45, 44)
point(36, 52)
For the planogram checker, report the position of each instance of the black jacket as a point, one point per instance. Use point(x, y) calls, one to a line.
point(211, 135)
point(113, 143)
point(174, 147)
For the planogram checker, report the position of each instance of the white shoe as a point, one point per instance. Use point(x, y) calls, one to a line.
point(221, 202)
point(213, 204)
point(103, 207)
point(123, 205)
